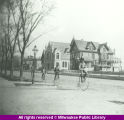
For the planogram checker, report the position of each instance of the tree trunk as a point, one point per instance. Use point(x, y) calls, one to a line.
point(11, 69)
point(1, 67)
point(2, 63)
point(5, 65)
point(21, 66)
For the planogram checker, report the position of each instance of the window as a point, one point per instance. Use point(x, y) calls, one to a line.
point(57, 55)
point(64, 64)
point(90, 48)
point(104, 56)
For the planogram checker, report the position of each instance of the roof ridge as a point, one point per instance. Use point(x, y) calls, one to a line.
point(59, 42)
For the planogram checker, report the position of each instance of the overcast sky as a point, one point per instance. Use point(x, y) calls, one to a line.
point(92, 20)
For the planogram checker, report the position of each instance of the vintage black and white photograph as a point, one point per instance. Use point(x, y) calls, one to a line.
point(61, 57)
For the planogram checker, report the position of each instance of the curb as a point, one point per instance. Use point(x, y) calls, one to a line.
point(101, 76)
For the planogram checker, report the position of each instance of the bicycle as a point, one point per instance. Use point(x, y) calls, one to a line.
point(83, 83)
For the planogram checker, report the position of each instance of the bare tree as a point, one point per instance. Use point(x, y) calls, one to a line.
point(14, 31)
point(2, 54)
point(19, 24)
point(29, 21)
point(10, 27)
point(6, 31)
point(2, 36)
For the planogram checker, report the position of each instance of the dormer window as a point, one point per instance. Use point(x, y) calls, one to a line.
point(90, 46)
point(66, 50)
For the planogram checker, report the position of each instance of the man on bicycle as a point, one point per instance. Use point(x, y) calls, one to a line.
point(43, 73)
point(56, 71)
point(83, 72)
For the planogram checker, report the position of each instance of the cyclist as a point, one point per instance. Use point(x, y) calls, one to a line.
point(83, 72)
point(43, 73)
point(56, 71)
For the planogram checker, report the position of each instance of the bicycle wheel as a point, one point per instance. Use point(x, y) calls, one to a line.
point(84, 85)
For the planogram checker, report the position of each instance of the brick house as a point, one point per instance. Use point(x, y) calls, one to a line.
point(93, 53)
point(56, 53)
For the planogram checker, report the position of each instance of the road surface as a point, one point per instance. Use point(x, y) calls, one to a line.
point(102, 97)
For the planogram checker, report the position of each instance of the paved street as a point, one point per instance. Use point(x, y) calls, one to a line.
point(102, 97)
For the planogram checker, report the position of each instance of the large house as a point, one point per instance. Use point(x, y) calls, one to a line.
point(67, 55)
point(92, 52)
point(56, 53)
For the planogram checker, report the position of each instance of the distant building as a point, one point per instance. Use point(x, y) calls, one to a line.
point(117, 64)
point(92, 52)
point(28, 62)
point(56, 53)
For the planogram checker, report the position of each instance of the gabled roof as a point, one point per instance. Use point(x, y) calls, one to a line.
point(103, 44)
point(82, 45)
point(107, 47)
point(96, 44)
point(110, 51)
point(63, 47)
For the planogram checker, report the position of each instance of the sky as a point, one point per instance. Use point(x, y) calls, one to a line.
point(92, 20)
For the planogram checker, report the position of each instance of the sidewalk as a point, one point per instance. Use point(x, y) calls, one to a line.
point(6, 83)
point(48, 84)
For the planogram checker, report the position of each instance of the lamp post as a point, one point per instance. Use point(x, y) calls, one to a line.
point(35, 50)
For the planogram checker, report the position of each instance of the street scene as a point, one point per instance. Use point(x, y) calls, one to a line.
point(103, 96)
point(61, 57)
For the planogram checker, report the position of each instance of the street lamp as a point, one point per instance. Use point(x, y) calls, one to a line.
point(35, 50)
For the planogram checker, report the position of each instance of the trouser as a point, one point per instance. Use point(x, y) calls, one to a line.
point(56, 75)
point(83, 76)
